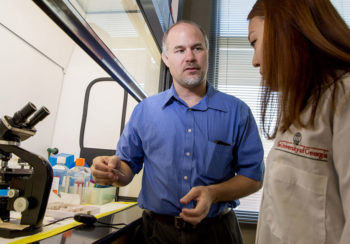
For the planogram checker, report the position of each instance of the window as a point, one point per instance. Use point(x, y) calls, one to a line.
point(122, 27)
point(232, 71)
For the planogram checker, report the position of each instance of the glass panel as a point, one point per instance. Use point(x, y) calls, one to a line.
point(121, 26)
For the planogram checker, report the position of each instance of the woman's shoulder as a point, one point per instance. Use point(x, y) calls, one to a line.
point(336, 97)
point(341, 86)
point(345, 79)
point(342, 92)
point(338, 87)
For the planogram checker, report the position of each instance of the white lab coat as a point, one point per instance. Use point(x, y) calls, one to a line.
point(306, 196)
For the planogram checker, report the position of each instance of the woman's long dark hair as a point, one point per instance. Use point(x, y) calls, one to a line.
point(306, 49)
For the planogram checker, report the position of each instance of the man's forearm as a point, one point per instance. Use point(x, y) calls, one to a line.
point(237, 187)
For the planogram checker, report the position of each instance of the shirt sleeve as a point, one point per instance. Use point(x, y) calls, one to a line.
point(341, 155)
point(129, 148)
point(250, 152)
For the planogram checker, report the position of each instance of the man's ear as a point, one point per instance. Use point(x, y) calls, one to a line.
point(165, 59)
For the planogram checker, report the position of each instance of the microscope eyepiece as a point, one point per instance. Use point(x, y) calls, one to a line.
point(22, 115)
point(21, 126)
point(38, 116)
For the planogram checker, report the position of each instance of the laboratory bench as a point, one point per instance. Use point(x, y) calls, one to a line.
point(102, 234)
point(97, 233)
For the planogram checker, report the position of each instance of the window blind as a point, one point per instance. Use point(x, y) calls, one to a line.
point(231, 70)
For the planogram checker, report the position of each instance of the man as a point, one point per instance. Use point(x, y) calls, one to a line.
point(200, 149)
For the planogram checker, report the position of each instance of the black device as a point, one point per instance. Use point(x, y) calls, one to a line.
point(90, 220)
point(85, 218)
point(28, 187)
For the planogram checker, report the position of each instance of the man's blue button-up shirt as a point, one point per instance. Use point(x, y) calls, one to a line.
point(182, 147)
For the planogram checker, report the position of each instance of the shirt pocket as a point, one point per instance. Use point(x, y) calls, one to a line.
point(217, 162)
point(294, 204)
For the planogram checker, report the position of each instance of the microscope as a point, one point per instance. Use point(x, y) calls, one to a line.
point(27, 187)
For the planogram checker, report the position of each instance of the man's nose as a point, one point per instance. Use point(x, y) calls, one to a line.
point(189, 55)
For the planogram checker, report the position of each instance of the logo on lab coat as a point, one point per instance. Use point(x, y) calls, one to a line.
point(310, 152)
point(297, 138)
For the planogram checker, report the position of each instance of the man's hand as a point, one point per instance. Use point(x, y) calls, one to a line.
point(104, 168)
point(204, 198)
point(234, 188)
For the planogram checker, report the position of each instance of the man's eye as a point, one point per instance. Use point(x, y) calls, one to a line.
point(179, 51)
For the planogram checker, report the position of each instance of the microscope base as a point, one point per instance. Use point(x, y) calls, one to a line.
point(12, 233)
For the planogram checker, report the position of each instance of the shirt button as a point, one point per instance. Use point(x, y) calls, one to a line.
point(185, 178)
point(187, 154)
point(189, 130)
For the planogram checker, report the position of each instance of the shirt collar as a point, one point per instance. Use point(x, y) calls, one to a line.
point(170, 95)
point(210, 100)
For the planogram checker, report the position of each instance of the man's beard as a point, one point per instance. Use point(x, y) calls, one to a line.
point(193, 81)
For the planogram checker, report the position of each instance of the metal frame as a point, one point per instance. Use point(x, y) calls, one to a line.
point(69, 20)
point(149, 13)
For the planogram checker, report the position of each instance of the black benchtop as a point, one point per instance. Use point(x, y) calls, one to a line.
point(95, 234)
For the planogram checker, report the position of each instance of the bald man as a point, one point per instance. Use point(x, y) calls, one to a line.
point(200, 149)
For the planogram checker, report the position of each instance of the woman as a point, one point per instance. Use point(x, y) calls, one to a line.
point(303, 50)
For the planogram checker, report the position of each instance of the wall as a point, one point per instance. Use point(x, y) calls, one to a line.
point(34, 55)
point(199, 12)
point(248, 233)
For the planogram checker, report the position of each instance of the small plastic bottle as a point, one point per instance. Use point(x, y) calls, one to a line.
point(79, 178)
point(88, 170)
point(60, 172)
